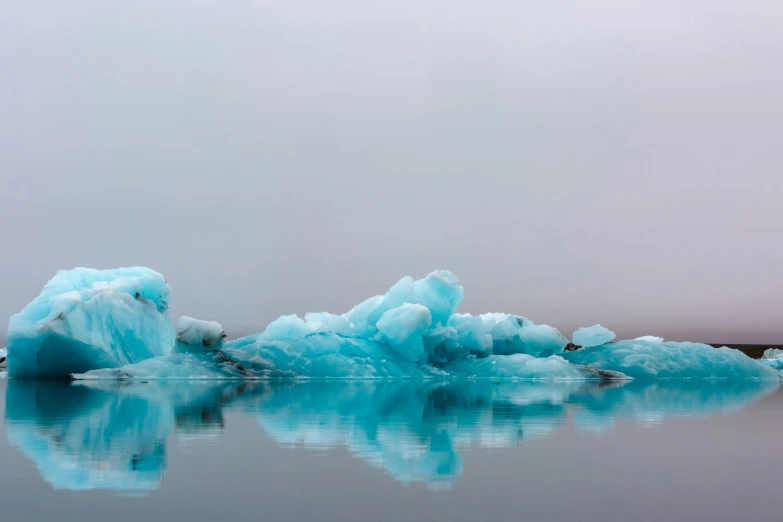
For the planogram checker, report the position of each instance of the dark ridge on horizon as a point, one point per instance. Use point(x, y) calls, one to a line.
point(751, 350)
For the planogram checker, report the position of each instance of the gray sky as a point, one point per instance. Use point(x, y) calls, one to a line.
point(575, 162)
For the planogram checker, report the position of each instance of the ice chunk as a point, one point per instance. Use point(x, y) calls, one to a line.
point(87, 319)
point(286, 327)
point(403, 328)
point(504, 331)
point(214, 365)
point(513, 334)
point(195, 334)
point(441, 345)
point(646, 360)
point(593, 336)
point(359, 313)
point(440, 292)
point(542, 340)
point(519, 366)
point(292, 327)
point(326, 322)
point(472, 334)
point(320, 355)
point(650, 339)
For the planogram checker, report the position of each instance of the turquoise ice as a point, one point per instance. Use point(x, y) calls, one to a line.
point(87, 319)
point(648, 360)
point(593, 336)
point(113, 324)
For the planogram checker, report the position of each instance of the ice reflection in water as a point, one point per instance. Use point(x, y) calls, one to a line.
point(114, 436)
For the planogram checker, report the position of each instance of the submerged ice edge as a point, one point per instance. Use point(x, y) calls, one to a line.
point(116, 435)
point(113, 324)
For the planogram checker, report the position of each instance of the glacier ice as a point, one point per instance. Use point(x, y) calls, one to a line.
point(593, 336)
point(113, 324)
point(542, 340)
point(646, 360)
point(86, 319)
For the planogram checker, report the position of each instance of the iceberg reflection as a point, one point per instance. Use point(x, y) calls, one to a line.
point(109, 435)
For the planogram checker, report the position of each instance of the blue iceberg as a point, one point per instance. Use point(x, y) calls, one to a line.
point(113, 324)
point(88, 319)
point(650, 360)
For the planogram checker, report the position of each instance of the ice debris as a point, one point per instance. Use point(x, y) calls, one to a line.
point(87, 319)
point(112, 324)
point(593, 336)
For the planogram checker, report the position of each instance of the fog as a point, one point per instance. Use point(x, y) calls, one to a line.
point(572, 162)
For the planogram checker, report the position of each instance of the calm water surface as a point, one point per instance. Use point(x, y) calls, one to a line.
point(367, 451)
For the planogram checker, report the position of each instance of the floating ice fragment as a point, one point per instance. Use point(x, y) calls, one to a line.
point(87, 319)
point(196, 335)
point(646, 360)
point(593, 336)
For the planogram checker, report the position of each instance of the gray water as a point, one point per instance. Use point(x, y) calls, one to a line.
point(411, 450)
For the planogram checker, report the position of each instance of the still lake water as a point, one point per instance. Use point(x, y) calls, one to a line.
point(387, 451)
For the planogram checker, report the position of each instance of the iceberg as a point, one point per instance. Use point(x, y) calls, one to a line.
point(113, 324)
point(593, 336)
point(646, 360)
point(86, 319)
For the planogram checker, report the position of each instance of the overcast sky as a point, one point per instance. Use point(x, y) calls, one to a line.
point(613, 161)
